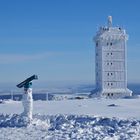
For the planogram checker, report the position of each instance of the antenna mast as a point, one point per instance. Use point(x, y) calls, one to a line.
point(109, 21)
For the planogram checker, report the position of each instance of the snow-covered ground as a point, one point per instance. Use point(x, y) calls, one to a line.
point(73, 119)
point(124, 108)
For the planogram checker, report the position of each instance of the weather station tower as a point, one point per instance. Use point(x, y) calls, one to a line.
point(110, 62)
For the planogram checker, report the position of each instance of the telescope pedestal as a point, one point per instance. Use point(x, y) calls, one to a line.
point(27, 101)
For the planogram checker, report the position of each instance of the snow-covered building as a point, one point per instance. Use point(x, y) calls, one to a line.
point(110, 62)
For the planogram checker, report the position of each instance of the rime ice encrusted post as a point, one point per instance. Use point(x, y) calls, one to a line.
point(27, 99)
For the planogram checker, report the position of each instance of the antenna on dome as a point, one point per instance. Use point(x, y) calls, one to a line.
point(109, 21)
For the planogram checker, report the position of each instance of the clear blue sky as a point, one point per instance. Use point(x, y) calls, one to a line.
point(53, 38)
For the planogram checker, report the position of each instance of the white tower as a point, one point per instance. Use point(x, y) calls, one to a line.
point(110, 61)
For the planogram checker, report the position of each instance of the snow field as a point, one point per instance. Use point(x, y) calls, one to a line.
point(68, 127)
point(88, 119)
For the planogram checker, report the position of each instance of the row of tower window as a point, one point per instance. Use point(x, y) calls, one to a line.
point(114, 85)
point(107, 84)
point(111, 73)
point(110, 84)
point(107, 53)
point(106, 44)
point(111, 94)
point(108, 63)
point(109, 44)
point(108, 94)
point(107, 73)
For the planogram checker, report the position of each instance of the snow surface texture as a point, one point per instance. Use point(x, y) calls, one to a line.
point(88, 119)
point(67, 127)
point(123, 108)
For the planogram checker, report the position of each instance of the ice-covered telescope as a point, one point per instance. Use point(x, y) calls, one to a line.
point(27, 81)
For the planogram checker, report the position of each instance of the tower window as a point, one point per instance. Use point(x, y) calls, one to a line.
point(111, 73)
point(111, 63)
point(108, 84)
point(108, 94)
point(107, 63)
point(111, 94)
point(111, 84)
point(96, 44)
point(108, 74)
point(111, 44)
point(111, 53)
point(107, 43)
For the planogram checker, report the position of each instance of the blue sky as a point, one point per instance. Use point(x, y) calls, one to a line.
point(53, 38)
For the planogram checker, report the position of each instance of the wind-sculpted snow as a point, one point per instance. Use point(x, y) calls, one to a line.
point(65, 127)
point(13, 121)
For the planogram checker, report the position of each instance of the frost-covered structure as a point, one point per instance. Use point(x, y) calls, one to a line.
point(27, 101)
point(110, 61)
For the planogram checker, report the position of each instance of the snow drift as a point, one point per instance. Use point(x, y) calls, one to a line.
point(64, 127)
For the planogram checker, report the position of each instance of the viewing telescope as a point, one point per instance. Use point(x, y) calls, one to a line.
point(27, 82)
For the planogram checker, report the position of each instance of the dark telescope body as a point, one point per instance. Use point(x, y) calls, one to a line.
point(28, 80)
